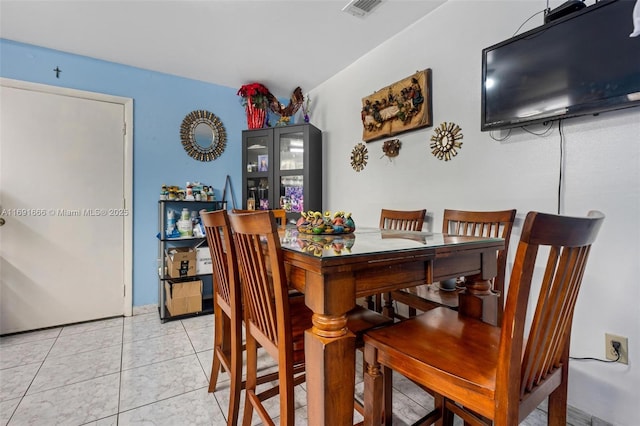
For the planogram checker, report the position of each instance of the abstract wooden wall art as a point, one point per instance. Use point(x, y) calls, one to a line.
point(391, 148)
point(400, 107)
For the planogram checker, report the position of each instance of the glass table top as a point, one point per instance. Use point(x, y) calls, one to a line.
point(365, 241)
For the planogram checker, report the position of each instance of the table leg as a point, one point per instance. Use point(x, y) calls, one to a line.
point(330, 370)
point(477, 300)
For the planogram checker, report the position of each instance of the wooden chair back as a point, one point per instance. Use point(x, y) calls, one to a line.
point(263, 278)
point(495, 224)
point(404, 220)
point(269, 319)
point(279, 214)
point(218, 232)
point(401, 220)
point(227, 302)
point(546, 356)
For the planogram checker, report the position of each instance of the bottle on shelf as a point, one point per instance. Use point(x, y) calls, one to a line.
point(171, 222)
point(189, 192)
point(184, 224)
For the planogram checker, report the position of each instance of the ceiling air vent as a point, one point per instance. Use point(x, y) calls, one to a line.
point(361, 8)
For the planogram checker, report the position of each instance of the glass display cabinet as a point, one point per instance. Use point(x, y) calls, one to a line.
point(282, 168)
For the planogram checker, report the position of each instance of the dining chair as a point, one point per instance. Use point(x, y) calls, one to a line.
point(227, 311)
point(485, 373)
point(495, 224)
point(401, 220)
point(279, 214)
point(273, 320)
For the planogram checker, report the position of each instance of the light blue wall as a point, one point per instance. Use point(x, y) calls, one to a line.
point(161, 102)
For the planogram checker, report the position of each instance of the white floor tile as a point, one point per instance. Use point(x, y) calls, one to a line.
point(200, 321)
point(16, 339)
point(193, 408)
point(201, 338)
point(7, 408)
point(66, 370)
point(24, 353)
point(146, 316)
point(15, 381)
point(144, 309)
point(151, 383)
point(91, 326)
point(140, 330)
point(107, 421)
point(161, 348)
point(73, 404)
point(88, 341)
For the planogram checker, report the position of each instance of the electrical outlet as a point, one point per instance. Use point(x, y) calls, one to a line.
point(610, 351)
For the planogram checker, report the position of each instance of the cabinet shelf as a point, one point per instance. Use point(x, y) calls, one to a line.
point(180, 279)
point(194, 242)
point(182, 239)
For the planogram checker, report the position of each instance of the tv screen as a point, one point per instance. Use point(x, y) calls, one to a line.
point(584, 63)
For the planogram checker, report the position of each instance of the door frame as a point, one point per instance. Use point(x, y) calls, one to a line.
point(127, 103)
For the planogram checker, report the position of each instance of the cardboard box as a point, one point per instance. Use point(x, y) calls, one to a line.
point(203, 261)
point(184, 297)
point(181, 262)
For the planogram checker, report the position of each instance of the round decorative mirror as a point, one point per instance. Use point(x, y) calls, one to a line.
point(203, 135)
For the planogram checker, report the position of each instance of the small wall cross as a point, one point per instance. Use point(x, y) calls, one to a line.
point(58, 71)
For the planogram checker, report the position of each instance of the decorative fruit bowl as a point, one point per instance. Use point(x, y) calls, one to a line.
point(326, 224)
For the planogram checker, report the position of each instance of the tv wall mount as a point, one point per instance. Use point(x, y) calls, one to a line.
point(564, 9)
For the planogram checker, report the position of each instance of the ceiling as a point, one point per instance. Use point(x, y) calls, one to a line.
point(282, 44)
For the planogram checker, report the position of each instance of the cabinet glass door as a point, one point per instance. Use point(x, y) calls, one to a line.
point(257, 154)
point(291, 147)
point(257, 164)
point(258, 194)
point(291, 193)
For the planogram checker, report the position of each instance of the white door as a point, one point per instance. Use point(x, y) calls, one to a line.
point(62, 250)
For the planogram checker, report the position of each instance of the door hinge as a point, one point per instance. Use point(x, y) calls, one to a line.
point(124, 290)
point(124, 128)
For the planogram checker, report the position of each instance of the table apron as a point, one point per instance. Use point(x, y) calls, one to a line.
point(379, 278)
point(464, 264)
point(335, 291)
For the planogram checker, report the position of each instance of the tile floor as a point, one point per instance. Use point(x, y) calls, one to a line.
point(136, 370)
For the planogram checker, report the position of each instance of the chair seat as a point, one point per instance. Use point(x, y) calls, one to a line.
point(300, 316)
point(442, 332)
point(426, 297)
point(361, 320)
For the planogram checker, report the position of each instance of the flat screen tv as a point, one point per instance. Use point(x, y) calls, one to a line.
point(583, 63)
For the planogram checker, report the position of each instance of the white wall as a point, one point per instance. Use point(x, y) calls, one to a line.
point(602, 163)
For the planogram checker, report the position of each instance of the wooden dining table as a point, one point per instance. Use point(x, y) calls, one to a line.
point(333, 271)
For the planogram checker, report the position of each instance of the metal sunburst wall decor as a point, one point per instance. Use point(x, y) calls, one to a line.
point(446, 141)
point(359, 157)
